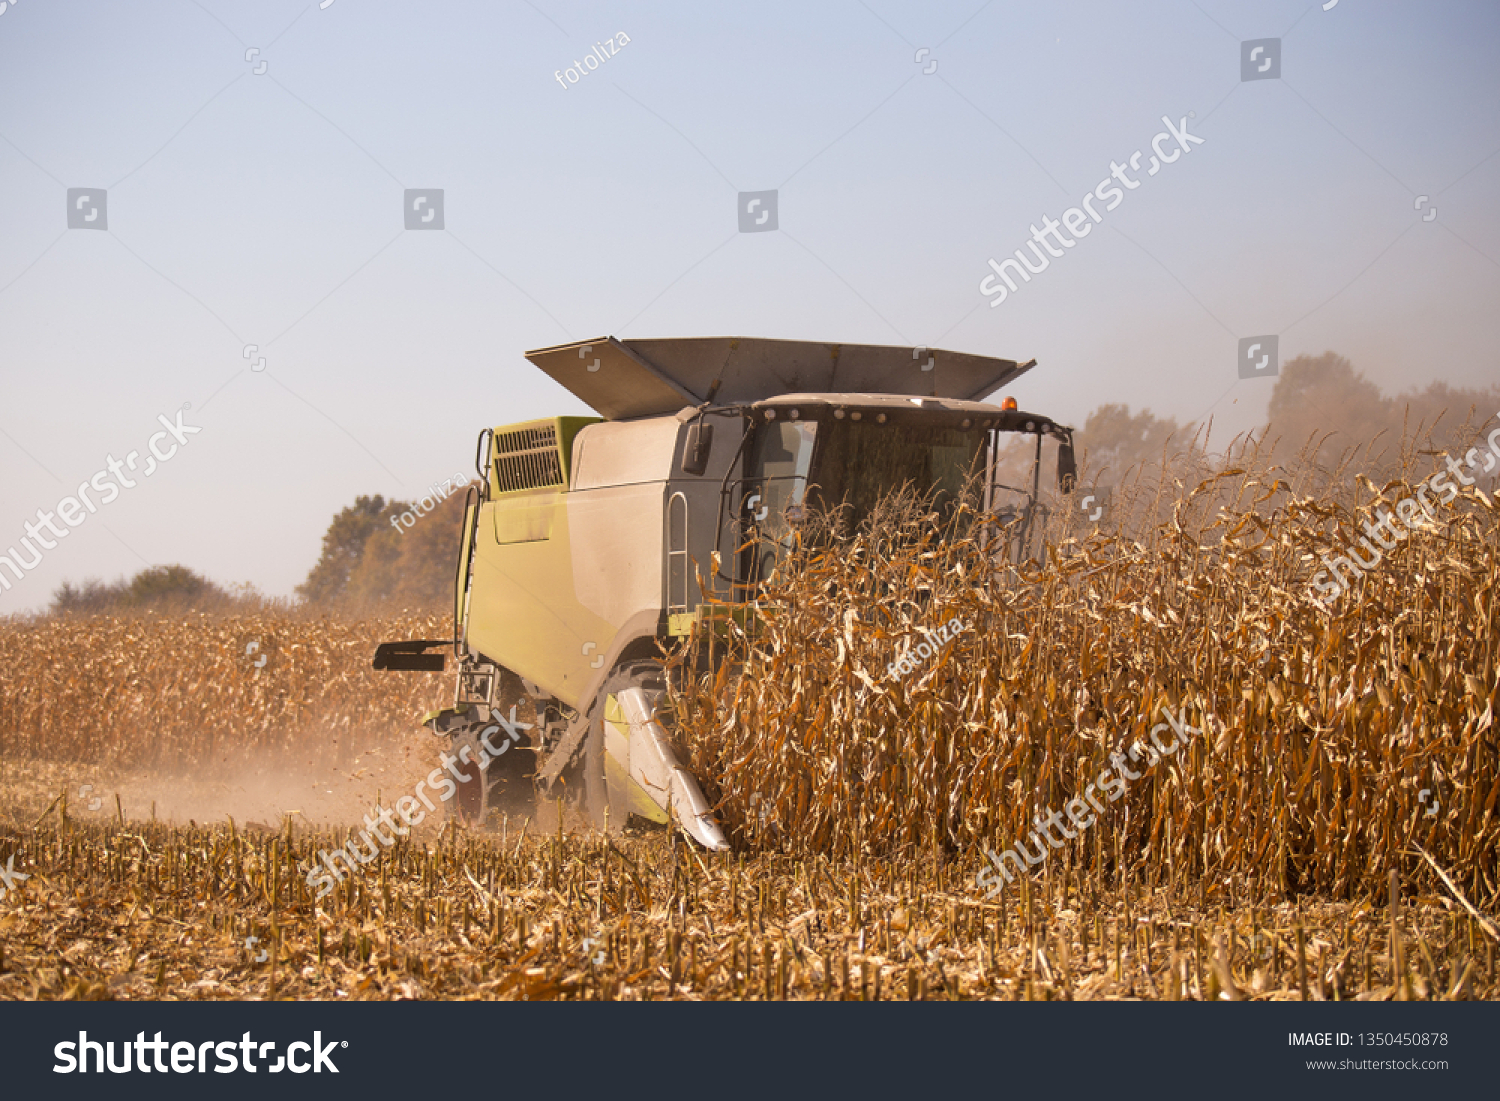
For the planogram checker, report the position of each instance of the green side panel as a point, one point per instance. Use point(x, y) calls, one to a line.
point(516, 453)
point(567, 428)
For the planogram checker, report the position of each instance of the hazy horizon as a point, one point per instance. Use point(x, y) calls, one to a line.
point(1342, 201)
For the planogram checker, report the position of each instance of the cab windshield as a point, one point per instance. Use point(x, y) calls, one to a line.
point(846, 467)
point(779, 463)
point(860, 462)
point(842, 468)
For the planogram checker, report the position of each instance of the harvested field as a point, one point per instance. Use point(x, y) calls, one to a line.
point(150, 910)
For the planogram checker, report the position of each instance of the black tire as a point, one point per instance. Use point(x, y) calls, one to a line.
point(466, 805)
point(504, 786)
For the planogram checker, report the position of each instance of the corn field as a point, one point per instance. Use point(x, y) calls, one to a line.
point(202, 692)
point(1338, 740)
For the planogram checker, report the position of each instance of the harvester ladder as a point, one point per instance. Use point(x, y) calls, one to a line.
point(677, 554)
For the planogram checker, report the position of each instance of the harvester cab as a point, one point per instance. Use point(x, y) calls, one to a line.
point(589, 543)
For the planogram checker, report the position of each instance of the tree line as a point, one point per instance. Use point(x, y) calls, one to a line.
point(1322, 409)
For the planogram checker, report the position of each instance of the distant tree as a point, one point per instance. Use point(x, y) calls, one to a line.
point(1113, 440)
point(1444, 410)
point(343, 547)
point(1324, 397)
point(1111, 443)
point(1324, 401)
point(410, 568)
point(94, 598)
point(161, 588)
point(170, 585)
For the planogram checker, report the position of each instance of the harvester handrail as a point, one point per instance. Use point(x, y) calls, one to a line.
point(481, 459)
point(473, 499)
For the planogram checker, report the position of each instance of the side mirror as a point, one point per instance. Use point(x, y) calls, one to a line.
point(1067, 467)
point(696, 448)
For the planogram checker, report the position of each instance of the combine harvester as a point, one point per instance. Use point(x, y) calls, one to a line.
point(587, 541)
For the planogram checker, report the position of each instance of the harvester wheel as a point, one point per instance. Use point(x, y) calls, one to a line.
point(503, 785)
point(467, 803)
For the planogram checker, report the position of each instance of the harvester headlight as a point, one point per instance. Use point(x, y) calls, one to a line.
point(770, 414)
point(965, 423)
point(856, 415)
point(792, 415)
point(838, 414)
point(879, 418)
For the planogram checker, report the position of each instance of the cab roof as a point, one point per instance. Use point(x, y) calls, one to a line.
point(902, 408)
point(624, 380)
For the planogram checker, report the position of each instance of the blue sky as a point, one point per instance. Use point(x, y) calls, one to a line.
point(267, 209)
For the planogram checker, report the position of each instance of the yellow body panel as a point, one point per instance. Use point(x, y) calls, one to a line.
point(560, 574)
point(523, 609)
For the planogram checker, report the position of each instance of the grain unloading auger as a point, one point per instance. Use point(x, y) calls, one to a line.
point(588, 541)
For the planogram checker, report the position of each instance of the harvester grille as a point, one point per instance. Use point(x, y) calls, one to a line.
point(527, 458)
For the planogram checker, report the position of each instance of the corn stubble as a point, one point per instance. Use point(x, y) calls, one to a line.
point(152, 911)
point(1288, 854)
